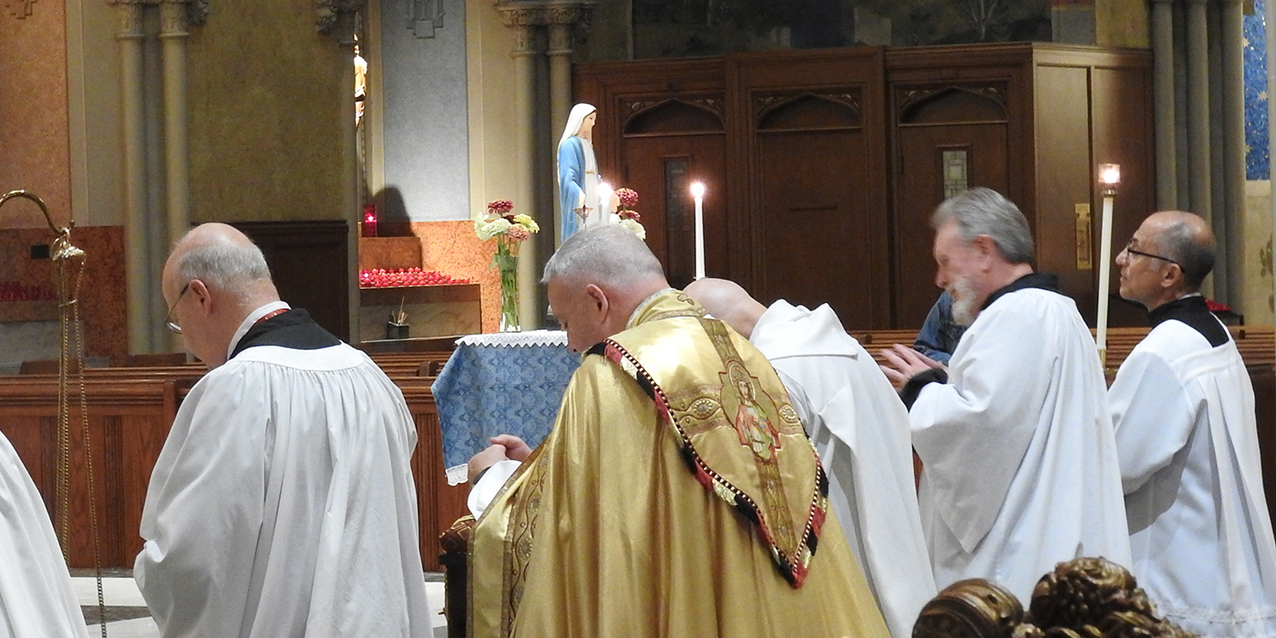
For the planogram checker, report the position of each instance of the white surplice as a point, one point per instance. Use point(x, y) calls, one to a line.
point(282, 503)
point(1019, 459)
point(36, 597)
point(1187, 439)
point(860, 429)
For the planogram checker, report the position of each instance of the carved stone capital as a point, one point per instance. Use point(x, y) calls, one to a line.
point(327, 12)
point(575, 14)
point(173, 19)
point(128, 20)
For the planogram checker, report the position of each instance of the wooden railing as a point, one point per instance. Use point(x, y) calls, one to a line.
point(130, 412)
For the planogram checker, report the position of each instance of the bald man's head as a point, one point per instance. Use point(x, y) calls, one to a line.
point(727, 301)
point(1187, 239)
point(214, 278)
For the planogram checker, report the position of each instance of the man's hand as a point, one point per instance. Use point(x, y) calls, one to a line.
point(515, 448)
point(485, 459)
point(902, 363)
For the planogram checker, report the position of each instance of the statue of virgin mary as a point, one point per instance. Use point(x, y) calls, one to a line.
point(578, 180)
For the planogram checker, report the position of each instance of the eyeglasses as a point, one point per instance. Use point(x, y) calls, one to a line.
point(1132, 251)
point(168, 318)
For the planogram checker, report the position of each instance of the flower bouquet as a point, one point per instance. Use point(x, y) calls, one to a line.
point(509, 231)
point(629, 218)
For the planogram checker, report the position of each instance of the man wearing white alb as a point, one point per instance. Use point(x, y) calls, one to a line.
point(1183, 408)
point(1019, 460)
point(860, 429)
point(282, 503)
point(36, 596)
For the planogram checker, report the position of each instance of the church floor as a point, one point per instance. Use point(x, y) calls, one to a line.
point(127, 617)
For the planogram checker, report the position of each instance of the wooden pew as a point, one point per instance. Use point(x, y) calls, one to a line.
point(130, 412)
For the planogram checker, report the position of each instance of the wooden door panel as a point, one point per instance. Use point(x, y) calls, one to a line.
point(661, 170)
point(919, 188)
point(820, 237)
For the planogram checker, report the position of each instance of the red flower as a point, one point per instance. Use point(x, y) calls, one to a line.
point(629, 214)
point(1215, 306)
point(628, 198)
point(500, 207)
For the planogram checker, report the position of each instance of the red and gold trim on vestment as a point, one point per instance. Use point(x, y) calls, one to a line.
point(790, 549)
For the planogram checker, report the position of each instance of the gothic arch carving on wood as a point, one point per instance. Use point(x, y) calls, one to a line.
point(952, 103)
point(808, 111)
point(672, 115)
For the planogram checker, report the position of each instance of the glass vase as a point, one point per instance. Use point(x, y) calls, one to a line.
point(506, 262)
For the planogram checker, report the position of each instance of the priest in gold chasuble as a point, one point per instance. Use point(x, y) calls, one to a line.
point(677, 494)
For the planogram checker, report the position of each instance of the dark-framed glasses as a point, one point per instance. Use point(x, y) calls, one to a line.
point(168, 318)
point(1132, 251)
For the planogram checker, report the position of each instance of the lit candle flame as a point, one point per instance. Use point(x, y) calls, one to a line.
point(697, 190)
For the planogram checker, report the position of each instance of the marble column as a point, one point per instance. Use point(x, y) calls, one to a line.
point(560, 97)
point(138, 275)
point(1198, 111)
point(524, 54)
point(1163, 103)
point(1231, 242)
point(173, 37)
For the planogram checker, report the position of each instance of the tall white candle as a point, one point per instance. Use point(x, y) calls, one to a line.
point(1105, 274)
point(697, 191)
point(1109, 178)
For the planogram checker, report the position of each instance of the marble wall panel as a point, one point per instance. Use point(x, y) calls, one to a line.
point(102, 304)
point(34, 125)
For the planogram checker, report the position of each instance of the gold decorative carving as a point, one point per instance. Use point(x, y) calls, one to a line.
point(1082, 597)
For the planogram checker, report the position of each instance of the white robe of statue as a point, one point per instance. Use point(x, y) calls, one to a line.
point(1188, 443)
point(860, 428)
point(1019, 459)
point(36, 596)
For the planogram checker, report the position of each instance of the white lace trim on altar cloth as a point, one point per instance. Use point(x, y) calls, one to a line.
point(515, 339)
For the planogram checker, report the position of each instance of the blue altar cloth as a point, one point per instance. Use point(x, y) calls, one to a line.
point(501, 383)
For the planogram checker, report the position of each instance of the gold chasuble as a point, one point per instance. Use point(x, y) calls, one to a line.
point(676, 496)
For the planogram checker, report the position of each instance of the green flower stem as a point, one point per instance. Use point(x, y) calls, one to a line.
point(506, 262)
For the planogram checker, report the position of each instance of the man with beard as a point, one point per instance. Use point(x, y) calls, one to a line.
point(1019, 460)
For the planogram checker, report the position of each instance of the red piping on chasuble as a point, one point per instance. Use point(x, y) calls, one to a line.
point(792, 568)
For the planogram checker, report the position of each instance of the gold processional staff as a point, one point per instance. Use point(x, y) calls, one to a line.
point(69, 266)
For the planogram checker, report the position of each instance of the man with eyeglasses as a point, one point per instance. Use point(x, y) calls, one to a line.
point(282, 503)
point(1183, 408)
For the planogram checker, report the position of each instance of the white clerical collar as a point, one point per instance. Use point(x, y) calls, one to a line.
point(633, 316)
point(251, 319)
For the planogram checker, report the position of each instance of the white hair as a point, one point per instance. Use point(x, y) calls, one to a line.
point(983, 211)
point(224, 265)
point(607, 254)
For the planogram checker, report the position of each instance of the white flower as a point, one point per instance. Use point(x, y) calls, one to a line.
point(634, 227)
point(487, 230)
